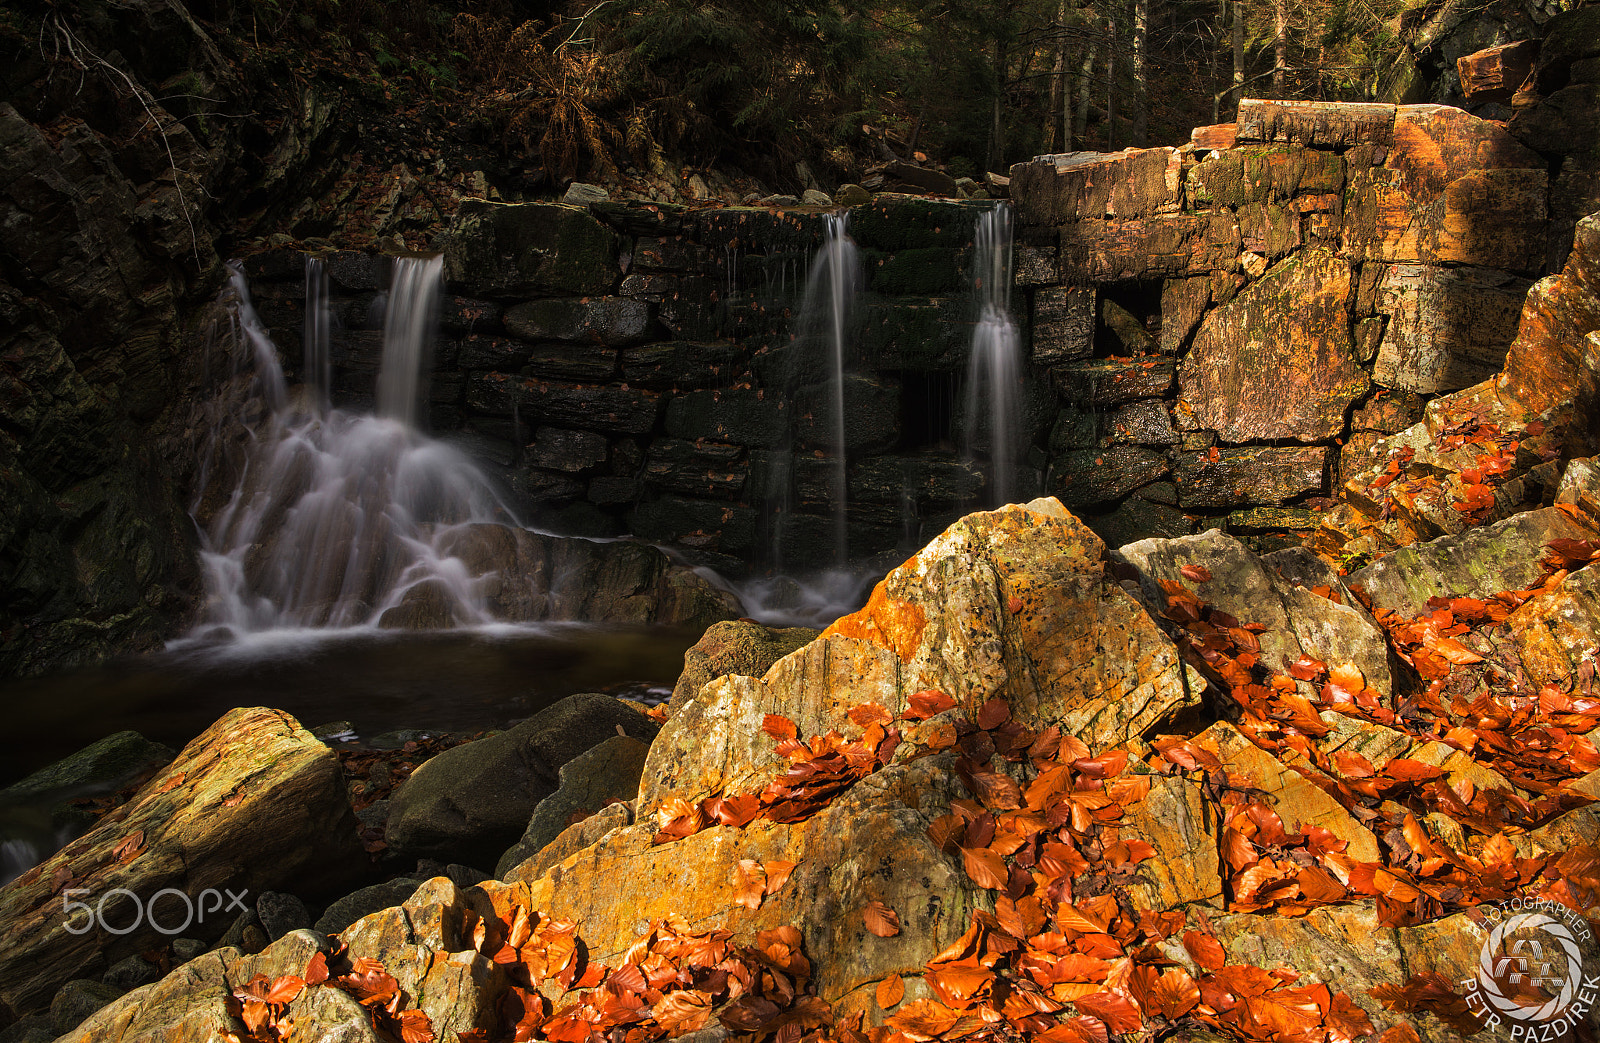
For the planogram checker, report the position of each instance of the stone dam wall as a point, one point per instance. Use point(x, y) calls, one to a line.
point(1210, 330)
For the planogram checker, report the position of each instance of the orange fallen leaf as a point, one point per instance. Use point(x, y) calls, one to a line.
point(1197, 573)
point(881, 920)
point(891, 991)
point(778, 874)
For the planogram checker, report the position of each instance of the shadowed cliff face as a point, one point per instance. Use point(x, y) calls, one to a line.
point(103, 251)
point(131, 142)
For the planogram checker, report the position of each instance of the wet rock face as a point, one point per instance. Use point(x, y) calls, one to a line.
point(254, 781)
point(93, 540)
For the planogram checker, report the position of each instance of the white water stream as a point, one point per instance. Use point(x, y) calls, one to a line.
point(337, 515)
point(994, 377)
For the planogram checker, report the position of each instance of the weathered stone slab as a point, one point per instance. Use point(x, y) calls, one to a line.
point(1477, 563)
point(1261, 475)
point(1276, 361)
point(1158, 246)
point(747, 416)
point(1494, 73)
point(1550, 364)
point(611, 321)
point(1110, 382)
point(1557, 633)
point(558, 449)
point(1063, 324)
point(515, 249)
point(699, 468)
point(1314, 123)
point(1452, 189)
point(1297, 798)
point(253, 781)
point(1448, 328)
point(1061, 189)
point(1183, 304)
point(1089, 477)
point(629, 411)
point(1263, 174)
point(1299, 623)
point(1343, 945)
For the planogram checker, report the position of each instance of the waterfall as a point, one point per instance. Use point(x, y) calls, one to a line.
point(994, 376)
point(826, 310)
point(334, 517)
point(318, 358)
point(407, 331)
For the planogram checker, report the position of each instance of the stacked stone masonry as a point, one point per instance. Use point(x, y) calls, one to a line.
point(1209, 327)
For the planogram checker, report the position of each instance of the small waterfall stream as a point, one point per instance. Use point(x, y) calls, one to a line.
point(335, 516)
point(318, 349)
point(826, 311)
point(994, 377)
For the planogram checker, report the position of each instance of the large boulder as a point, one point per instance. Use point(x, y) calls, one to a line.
point(255, 803)
point(530, 577)
point(593, 780)
point(1011, 604)
point(471, 802)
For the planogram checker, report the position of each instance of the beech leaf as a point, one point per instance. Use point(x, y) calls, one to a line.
point(881, 920)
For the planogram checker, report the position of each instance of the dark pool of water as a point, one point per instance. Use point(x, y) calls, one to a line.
point(378, 681)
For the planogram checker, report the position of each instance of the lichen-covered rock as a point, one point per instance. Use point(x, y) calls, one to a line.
point(254, 781)
point(1299, 622)
point(1477, 563)
point(734, 647)
point(1276, 362)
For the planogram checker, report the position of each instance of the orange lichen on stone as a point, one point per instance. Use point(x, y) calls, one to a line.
point(894, 624)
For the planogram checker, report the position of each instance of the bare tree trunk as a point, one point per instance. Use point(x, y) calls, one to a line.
point(1056, 115)
point(1080, 122)
point(1111, 83)
point(1280, 44)
point(1141, 82)
point(1238, 52)
point(997, 143)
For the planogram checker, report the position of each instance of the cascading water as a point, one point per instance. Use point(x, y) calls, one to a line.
point(994, 376)
point(826, 310)
point(407, 331)
point(318, 351)
point(335, 517)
